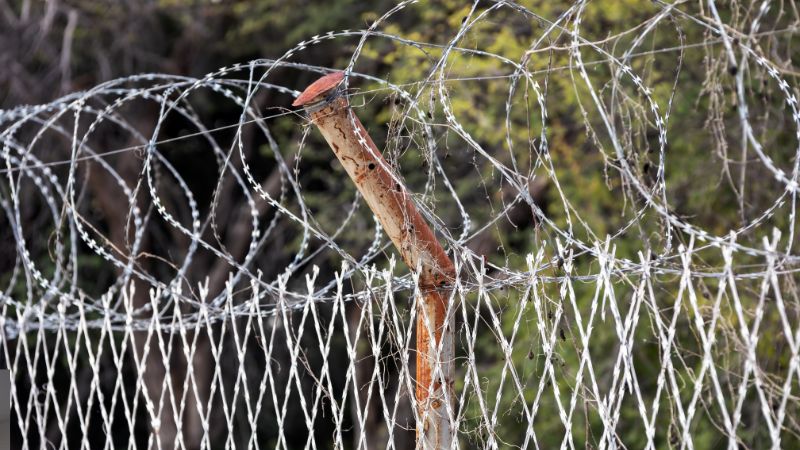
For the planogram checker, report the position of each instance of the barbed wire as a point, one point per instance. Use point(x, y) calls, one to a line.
point(222, 83)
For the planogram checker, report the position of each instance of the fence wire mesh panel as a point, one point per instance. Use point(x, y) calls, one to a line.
point(627, 279)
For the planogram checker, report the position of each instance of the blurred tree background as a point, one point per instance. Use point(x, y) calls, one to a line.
point(52, 48)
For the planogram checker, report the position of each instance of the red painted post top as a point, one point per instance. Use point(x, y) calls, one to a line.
point(319, 87)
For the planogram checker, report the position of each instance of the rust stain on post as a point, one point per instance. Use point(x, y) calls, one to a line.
point(392, 205)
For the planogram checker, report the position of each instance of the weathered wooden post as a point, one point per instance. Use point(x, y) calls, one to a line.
point(388, 199)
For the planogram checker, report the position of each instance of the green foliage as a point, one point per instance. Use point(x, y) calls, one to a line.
point(702, 172)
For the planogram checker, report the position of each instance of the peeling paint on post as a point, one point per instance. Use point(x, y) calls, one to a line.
point(390, 202)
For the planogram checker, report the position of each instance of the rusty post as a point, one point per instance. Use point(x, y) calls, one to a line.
point(389, 200)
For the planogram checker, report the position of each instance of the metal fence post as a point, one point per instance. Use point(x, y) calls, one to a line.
point(389, 200)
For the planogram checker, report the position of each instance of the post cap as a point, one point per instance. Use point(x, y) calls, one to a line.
point(318, 88)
